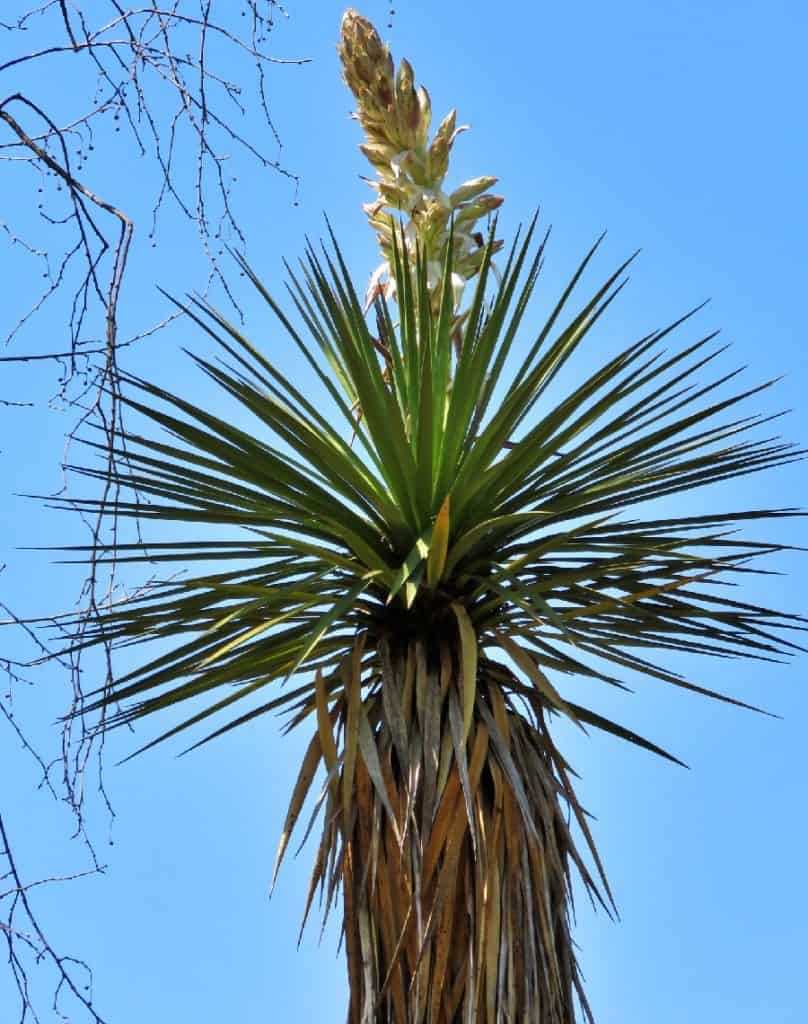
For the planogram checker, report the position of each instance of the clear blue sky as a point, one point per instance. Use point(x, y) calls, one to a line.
point(679, 126)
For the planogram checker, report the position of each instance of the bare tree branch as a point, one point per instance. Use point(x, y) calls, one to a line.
point(156, 76)
point(27, 943)
point(162, 72)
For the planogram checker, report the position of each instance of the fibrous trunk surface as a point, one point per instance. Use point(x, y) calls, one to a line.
point(446, 827)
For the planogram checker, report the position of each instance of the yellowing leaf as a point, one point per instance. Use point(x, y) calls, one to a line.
point(307, 772)
point(468, 650)
point(351, 743)
point(414, 559)
point(329, 747)
point(439, 545)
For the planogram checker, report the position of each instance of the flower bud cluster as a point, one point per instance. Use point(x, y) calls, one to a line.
point(411, 170)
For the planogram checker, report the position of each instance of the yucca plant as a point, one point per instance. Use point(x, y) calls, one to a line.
point(429, 547)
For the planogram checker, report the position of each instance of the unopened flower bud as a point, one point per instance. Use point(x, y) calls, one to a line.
point(367, 64)
point(396, 195)
point(480, 207)
point(374, 209)
point(378, 153)
point(441, 144)
point(432, 220)
point(406, 103)
point(359, 37)
point(424, 117)
point(382, 224)
point(470, 189)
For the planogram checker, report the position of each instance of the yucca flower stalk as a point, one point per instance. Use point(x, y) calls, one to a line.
point(411, 169)
point(429, 576)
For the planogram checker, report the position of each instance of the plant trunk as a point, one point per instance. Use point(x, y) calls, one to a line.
point(452, 847)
